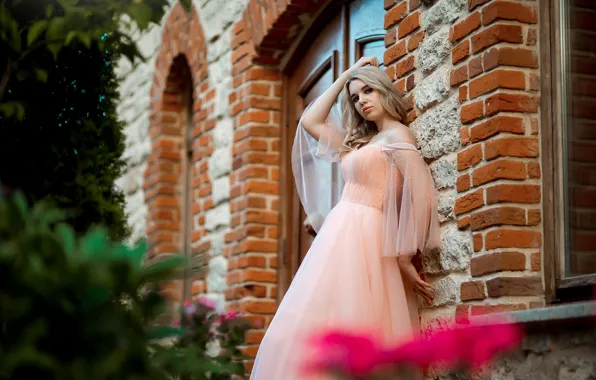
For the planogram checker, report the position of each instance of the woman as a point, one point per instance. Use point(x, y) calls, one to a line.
point(358, 273)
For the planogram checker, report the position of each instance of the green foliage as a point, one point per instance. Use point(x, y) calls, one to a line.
point(68, 148)
point(86, 308)
point(26, 26)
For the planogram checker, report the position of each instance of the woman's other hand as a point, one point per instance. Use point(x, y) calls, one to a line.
point(421, 287)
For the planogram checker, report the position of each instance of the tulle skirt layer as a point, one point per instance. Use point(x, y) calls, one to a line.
point(342, 283)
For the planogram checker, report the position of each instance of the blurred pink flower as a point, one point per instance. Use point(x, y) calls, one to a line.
point(340, 351)
point(187, 303)
point(358, 355)
point(208, 303)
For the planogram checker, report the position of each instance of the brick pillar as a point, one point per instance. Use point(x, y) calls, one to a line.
point(496, 73)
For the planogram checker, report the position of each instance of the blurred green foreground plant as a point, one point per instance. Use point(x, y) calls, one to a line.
point(88, 308)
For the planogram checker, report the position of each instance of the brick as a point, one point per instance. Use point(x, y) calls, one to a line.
point(467, 26)
point(463, 223)
point(469, 202)
point(534, 217)
point(535, 260)
point(259, 306)
point(389, 3)
point(497, 262)
point(410, 83)
point(510, 56)
point(534, 170)
point(506, 79)
point(509, 10)
point(396, 14)
point(498, 216)
point(408, 25)
point(414, 41)
point(390, 37)
point(476, 310)
point(469, 157)
point(463, 94)
point(507, 238)
point(502, 102)
point(463, 183)
point(414, 4)
point(478, 241)
point(464, 135)
point(472, 4)
point(394, 53)
point(472, 291)
point(526, 147)
point(471, 112)
point(496, 125)
point(475, 67)
point(514, 286)
point(460, 52)
point(532, 37)
point(504, 192)
point(259, 275)
point(495, 34)
point(404, 66)
point(500, 169)
point(459, 75)
point(534, 82)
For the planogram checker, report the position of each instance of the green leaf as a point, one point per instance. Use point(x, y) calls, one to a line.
point(140, 13)
point(85, 38)
point(56, 28)
point(55, 49)
point(41, 75)
point(13, 108)
point(161, 332)
point(49, 10)
point(67, 238)
point(15, 36)
point(36, 29)
point(70, 36)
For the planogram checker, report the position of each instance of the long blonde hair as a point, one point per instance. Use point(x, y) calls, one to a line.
point(360, 131)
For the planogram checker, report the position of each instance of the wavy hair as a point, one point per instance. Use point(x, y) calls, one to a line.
point(360, 131)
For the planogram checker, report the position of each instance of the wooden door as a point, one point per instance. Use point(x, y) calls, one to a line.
point(341, 35)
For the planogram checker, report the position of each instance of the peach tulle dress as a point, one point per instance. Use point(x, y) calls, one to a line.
point(350, 279)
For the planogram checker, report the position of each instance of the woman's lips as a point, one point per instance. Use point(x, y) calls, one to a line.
point(367, 109)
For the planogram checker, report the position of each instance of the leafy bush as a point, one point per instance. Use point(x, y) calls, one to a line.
point(87, 308)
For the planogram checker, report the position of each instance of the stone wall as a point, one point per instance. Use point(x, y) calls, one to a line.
point(469, 70)
point(211, 208)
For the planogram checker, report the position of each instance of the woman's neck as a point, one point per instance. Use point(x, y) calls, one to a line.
point(386, 123)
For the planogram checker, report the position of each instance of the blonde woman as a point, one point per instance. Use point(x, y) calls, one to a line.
point(358, 273)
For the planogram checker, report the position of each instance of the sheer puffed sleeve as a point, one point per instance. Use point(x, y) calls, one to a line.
point(315, 165)
point(410, 208)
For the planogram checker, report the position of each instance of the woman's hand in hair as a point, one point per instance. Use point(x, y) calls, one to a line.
point(373, 61)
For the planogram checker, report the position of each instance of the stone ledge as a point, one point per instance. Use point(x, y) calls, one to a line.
point(572, 312)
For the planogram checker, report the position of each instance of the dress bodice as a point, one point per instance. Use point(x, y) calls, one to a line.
point(364, 172)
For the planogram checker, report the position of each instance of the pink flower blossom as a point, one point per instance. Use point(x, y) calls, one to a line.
point(339, 351)
point(358, 355)
point(208, 303)
point(187, 303)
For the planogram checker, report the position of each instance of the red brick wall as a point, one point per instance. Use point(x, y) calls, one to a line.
point(581, 134)
point(181, 61)
point(261, 38)
point(495, 74)
point(496, 71)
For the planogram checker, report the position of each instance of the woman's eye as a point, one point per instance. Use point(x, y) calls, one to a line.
point(368, 91)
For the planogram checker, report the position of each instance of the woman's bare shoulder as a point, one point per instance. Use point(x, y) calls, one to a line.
point(401, 133)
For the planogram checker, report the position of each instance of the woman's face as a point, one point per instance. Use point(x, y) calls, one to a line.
point(366, 100)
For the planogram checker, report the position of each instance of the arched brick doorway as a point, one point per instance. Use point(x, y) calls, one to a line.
point(177, 186)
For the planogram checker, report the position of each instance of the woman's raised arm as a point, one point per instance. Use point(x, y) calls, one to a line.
point(313, 120)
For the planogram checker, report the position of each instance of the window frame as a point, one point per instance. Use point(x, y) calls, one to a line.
point(558, 287)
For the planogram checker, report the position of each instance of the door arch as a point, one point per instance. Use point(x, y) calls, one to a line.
point(344, 32)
